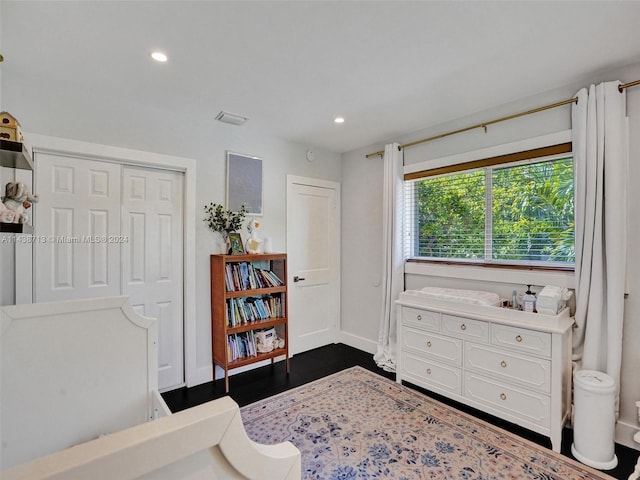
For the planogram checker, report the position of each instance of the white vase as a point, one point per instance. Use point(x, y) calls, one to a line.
point(221, 244)
point(266, 245)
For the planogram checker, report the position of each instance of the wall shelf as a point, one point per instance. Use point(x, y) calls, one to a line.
point(15, 155)
point(16, 228)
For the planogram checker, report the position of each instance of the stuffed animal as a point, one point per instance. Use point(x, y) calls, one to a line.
point(18, 198)
point(6, 215)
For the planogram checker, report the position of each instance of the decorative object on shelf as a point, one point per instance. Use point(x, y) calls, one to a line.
point(254, 243)
point(267, 246)
point(18, 198)
point(10, 128)
point(244, 183)
point(235, 239)
point(266, 340)
point(223, 221)
point(6, 215)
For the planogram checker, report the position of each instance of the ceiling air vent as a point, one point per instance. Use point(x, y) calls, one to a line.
point(231, 118)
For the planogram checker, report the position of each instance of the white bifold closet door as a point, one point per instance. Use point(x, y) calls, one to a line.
point(106, 229)
point(152, 259)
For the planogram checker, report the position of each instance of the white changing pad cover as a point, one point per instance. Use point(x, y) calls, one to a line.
point(457, 295)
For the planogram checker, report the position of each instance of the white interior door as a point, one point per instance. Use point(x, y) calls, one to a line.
point(152, 260)
point(78, 212)
point(313, 247)
point(105, 229)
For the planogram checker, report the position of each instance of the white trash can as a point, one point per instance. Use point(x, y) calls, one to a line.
point(594, 419)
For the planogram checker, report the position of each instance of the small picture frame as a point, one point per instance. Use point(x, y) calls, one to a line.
point(237, 247)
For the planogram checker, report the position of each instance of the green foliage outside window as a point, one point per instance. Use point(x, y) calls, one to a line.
point(450, 216)
point(530, 217)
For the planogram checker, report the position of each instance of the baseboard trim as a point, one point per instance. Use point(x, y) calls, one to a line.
point(358, 342)
point(200, 375)
point(625, 433)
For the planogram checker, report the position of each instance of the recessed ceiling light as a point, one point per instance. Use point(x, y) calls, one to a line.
point(159, 57)
point(339, 120)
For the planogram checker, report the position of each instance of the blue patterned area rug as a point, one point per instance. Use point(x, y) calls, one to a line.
point(356, 424)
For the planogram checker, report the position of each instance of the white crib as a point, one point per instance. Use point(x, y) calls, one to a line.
point(78, 393)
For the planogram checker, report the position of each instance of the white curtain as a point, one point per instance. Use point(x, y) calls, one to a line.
point(392, 255)
point(600, 159)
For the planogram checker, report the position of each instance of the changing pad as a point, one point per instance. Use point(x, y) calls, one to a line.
point(472, 297)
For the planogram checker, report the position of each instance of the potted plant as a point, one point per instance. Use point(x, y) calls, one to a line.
point(223, 221)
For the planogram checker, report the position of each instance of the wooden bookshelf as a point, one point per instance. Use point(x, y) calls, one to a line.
point(227, 288)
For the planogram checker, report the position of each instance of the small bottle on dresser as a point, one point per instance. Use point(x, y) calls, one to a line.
point(529, 300)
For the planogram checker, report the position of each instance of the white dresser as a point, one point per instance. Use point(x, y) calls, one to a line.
point(512, 364)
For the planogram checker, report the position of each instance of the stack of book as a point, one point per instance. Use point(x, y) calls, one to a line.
point(241, 345)
point(245, 276)
point(249, 309)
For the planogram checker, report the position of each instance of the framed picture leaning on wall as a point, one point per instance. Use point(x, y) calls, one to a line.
point(244, 183)
point(235, 240)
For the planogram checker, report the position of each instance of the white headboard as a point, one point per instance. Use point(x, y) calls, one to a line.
point(71, 371)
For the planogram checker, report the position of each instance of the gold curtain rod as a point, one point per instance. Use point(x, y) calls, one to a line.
point(498, 120)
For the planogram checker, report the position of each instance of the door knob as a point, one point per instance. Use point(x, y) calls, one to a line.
point(297, 278)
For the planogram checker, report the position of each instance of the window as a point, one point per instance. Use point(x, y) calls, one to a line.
point(516, 209)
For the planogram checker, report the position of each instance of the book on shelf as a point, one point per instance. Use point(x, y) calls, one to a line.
point(241, 345)
point(243, 310)
point(245, 276)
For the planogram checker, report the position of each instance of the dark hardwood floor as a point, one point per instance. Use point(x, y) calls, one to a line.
point(263, 382)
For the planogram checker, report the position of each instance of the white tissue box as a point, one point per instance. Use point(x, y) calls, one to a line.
point(552, 299)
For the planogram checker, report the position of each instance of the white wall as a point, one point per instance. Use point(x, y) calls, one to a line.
point(362, 223)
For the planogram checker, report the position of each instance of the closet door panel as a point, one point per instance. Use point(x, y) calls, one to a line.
point(152, 259)
point(75, 219)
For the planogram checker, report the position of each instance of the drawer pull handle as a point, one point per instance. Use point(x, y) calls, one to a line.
point(428, 371)
point(429, 344)
point(419, 317)
point(503, 396)
point(503, 364)
point(463, 327)
point(518, 338)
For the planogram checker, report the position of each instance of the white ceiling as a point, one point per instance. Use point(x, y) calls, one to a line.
point(388, 67)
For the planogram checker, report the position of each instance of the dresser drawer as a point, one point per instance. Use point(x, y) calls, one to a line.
point(529, 341)
point(505, 399)
point(421, 318)
point(531, 372)
point(427, 373)
point(465, 328)
point(442, 348)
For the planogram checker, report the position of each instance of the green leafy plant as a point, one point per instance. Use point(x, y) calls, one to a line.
point(218, 219)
